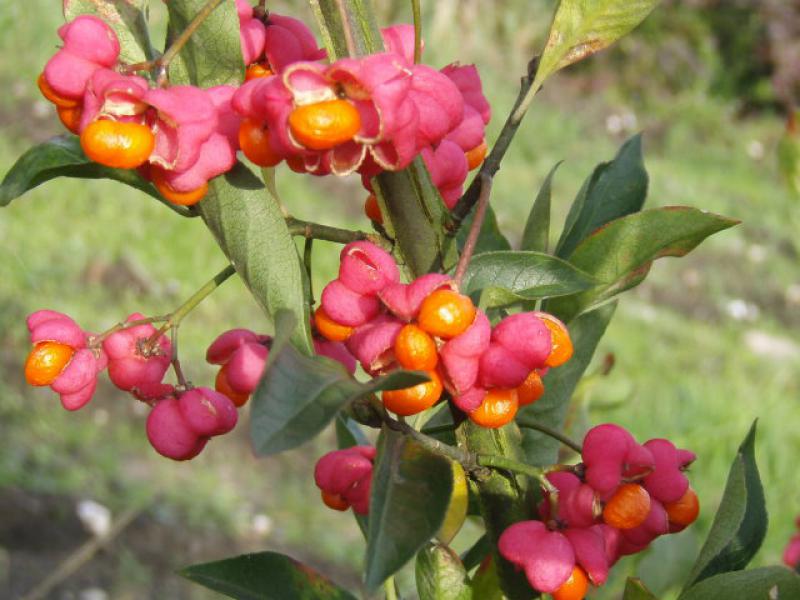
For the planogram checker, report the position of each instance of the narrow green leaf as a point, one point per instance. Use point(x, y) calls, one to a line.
point(251, 230)
point(127, 19)
point(581, 28)
point(524, 276)
point(559, 385)
point(614, 189)
point(411, 490)
point(440, 575)
point(537, 228)
point(299, 395)
point(213, 55)
point(766, 583)
point(741, 521)
point(636, 590)
point(620, 254)
point(264, 576)
point(61, 156)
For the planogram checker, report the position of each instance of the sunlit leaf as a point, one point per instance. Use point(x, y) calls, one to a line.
point(766, 583)
point(440, 575)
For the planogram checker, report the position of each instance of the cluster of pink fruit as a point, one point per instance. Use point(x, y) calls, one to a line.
point(791, 554)
point(615, 503)
point(427, 325)
point(622, 497)
point(137, 356)
point(368, 114)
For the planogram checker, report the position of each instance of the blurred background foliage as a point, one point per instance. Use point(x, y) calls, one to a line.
point(704, 346)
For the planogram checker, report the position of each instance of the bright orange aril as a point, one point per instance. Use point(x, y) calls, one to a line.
point(499, 407)
point(223, 386)
point(684, 512)
point(562, 344)
point(628, 507)
point(415, 349)
point(257, 71)
point(324, 125)
point(334, 501)
point(70, 117)
point(51, 95)
point(415, 399)
point(575, 587)
point(189, 198)
point(254, 142)
point(446, 314)
point(531, 389)
point(46, 362)
point(476, 155)
point(117, 144)
point(330, 329)
point(372, 210)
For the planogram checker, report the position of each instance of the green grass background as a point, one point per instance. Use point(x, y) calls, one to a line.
point(685, 367)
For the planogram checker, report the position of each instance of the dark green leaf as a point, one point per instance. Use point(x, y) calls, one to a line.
point(536, 235)
point(265, 576)
point(251, 230)
point(636, 590)
point(213, 55)
point(490, 237)
point(299, 395)
point(62, 156)
point(125, 17)
point(476, 553)
point(620, 254)
point(581, 28)
point(559, 384)
point(766, 583)
point(486, 584)
point(509, 277)
point(614, 189)
point(440, 575)
point(348, 433)
point(411, 490)
point(741, 521)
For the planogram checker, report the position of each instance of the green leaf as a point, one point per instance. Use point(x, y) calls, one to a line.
point(490, 237)
point(766, 583)
point(348, 433)
point(514, 276)
point(636, 590)
point(614, 189)
point(264, 576)
point(486, 583)
point(620, 254)
point(213, 55)
point(440, 575)
point(581, 28)
point(127, 19)
point(299, 395)
point(537, 229)
point(251, 230)
point(741, 521)
point(62, 156)
point(559, 385)
point(411, 490)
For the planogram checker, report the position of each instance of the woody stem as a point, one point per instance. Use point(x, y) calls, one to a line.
point(415, 10)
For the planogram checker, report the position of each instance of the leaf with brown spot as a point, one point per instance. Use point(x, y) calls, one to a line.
point(581, 28)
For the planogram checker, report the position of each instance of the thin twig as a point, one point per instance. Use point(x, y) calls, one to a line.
point(556, 435)
point(307, 258)
point(415, 9)
point(508, 464)
point(84, 554)
point(163, 63)
point(317, 231)
point(175, 361)
point(475, 230)
point(492, 163)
